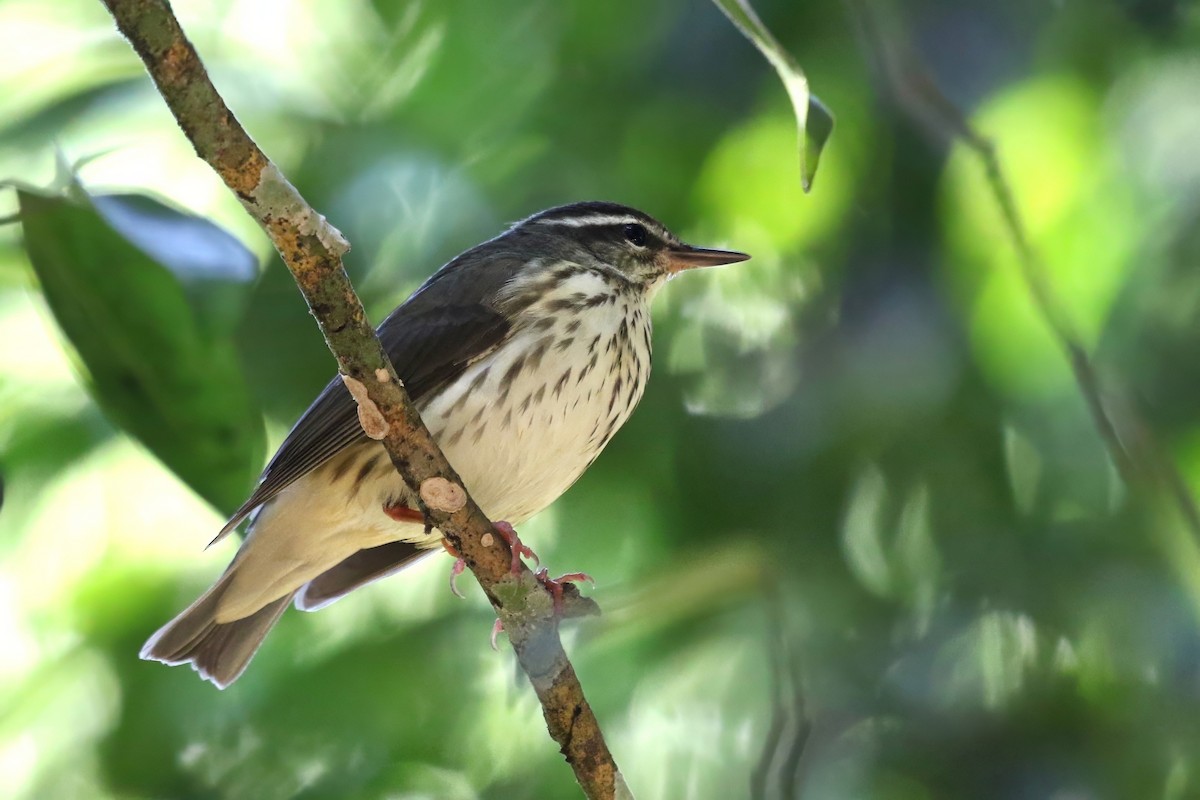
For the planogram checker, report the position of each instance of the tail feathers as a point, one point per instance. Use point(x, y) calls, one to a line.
point(357, 570)
point(218, 651)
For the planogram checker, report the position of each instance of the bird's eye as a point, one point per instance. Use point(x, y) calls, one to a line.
point(635, 234)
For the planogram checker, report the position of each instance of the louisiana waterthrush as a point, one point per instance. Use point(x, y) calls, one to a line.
point(524, 355)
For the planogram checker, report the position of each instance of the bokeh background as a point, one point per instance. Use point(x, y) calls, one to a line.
point(862, 538)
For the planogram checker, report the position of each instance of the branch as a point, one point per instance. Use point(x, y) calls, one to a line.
point(312, 249)
point(1131, 444)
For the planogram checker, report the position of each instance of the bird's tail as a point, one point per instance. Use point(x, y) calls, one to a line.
point(219, 651)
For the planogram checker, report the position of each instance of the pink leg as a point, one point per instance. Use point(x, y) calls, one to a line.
point(509, 535)
point(403, 514)
point(455, 571)
point(497, 627)
point(555, 585)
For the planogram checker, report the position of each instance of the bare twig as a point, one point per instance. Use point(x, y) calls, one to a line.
point(780, 770)
point(1130, 442)
point(312, 249)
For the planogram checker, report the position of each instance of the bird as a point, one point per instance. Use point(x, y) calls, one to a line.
point(524, 355)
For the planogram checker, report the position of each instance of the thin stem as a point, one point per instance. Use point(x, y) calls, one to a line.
point(1131, 444)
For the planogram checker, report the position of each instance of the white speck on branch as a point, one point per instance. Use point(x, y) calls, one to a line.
point(441, 494)
point(374, 424)
point(277, 197)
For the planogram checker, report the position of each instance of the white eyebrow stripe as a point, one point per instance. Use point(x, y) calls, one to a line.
point(594, 219)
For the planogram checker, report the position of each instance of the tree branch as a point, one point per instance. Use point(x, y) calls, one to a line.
point(312, 249)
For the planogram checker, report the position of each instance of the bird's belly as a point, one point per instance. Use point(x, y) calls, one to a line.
point(522, 425)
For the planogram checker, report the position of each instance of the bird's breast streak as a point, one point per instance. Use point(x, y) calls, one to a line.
point(521, 425)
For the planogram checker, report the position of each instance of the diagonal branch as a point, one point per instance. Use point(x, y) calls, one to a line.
point(312, 249)
point(1131, 444)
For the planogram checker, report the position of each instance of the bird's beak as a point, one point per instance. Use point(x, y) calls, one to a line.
point(684, 256)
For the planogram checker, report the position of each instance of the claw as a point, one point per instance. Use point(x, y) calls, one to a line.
point(455, 571)
point(555, 585)
point(497, 629)
point(518, 548)
point(575, 577)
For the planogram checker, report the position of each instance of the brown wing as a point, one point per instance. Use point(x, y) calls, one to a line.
point(446, 324)
point(428, 349)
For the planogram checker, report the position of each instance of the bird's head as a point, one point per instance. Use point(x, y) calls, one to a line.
point(629, 243)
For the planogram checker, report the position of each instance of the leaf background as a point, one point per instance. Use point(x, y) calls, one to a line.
point(148, 296)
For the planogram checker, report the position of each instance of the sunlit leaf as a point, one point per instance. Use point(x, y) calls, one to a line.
point(988, 663)
point(813, 119)
point(156, 363)
point(1082, 220)
point(741, 184)
point(212, 266)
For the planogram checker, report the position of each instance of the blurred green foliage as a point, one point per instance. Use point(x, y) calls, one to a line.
point(862, 498)
point(148, 297)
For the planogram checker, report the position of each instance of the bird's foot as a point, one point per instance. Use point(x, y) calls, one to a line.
point(506, 532)
point(518, 549)
point(555, 585)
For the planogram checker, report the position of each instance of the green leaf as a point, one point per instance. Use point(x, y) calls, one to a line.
point(212, 266)
point(818, 127)
point(161, 367)
point(813, 119)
